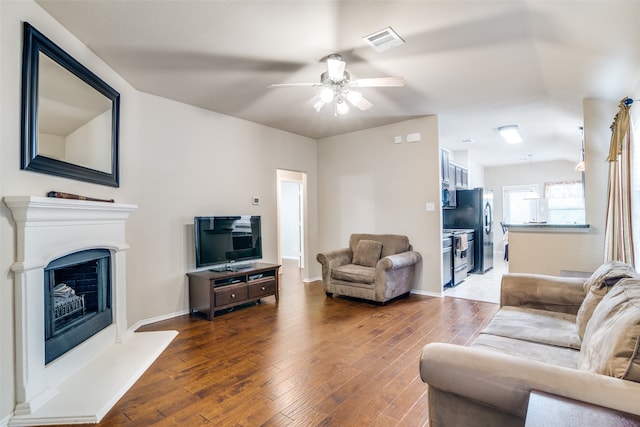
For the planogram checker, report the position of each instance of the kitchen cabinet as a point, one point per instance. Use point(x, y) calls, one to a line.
point(452, 173)
point(445, 156)
point(460, 176)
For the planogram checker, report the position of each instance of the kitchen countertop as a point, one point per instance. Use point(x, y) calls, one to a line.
point(547, 227)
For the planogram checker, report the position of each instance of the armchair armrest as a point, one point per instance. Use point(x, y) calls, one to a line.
point(332, 259)
point(553, 293)
point(403, 259)
point(335, 258)
point(504, 382)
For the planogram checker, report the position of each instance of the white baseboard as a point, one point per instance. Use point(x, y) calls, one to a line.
point(160, 318)
point(427, 293)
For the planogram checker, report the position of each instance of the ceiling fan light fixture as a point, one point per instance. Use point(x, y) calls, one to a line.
point(341, 107)
point(335, 67)
point(326, 94)
point(510, 134)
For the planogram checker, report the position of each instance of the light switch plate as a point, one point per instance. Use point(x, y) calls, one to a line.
point(397, 140)
point(413, 137)
point(431, 206)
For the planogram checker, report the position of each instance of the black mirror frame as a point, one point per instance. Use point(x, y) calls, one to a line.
point(34, 43)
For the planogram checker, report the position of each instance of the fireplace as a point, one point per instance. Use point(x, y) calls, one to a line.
point(77, 300)
point(75, 356)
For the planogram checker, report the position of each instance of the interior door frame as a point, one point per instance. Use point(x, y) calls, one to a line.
point(301, 179)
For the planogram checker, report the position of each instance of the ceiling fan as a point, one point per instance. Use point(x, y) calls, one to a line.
point(336, 85)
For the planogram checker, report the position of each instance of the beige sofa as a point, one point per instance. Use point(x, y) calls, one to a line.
point(572, 337)
point(375, 267)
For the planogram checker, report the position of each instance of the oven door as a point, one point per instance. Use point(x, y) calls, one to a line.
point(459, 261)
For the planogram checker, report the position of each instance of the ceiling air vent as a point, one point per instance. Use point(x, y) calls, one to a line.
point(384, 39)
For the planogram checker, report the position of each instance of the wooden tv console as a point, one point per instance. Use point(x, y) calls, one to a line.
point(210, 291)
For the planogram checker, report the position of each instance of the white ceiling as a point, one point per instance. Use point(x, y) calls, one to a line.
point(478, 64)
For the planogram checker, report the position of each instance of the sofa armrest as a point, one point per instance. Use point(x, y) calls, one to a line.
point(504, 382)
point(400, 260)
point(552, 293)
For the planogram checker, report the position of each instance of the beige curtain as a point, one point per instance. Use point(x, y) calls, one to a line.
point(618, 230)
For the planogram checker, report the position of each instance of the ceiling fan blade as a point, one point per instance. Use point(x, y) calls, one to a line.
point(379, 82)
point(359, 101)
point(335, 67)
point(295, 84)
point(363, 104)
point(314, 102)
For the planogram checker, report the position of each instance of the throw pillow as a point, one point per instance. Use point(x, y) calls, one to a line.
point(367, 253)
point(610, 345)
point(597, 287)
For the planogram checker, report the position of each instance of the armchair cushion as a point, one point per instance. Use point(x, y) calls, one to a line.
point(354, 273)
point(612, 336)
point(597, 287)
point(367, 253)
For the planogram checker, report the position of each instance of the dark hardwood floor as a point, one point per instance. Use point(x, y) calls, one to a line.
point(307, 361)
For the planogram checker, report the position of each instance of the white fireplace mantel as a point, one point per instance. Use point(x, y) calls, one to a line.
point(84, 383)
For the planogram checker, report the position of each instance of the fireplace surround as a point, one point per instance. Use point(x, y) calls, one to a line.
point(96, 372)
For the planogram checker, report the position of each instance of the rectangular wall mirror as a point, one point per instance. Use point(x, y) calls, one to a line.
point(70, 117)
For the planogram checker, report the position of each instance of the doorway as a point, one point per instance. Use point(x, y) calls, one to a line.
point(291, 217)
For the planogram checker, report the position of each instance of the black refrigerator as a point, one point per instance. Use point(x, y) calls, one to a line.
point(474, 209)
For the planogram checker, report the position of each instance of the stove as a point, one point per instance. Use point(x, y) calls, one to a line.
point(462, 257)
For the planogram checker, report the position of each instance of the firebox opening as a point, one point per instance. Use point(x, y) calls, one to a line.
point(77, 302)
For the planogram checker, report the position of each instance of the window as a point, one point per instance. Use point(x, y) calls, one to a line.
point(565, 202)
point(516, 207)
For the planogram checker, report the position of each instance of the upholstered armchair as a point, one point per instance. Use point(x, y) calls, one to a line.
point(375, 267)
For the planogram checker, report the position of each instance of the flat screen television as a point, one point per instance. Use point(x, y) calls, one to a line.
point(223, 240)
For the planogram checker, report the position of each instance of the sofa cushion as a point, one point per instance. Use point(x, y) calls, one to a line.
point(610, 344)
point(367, 253)
point(596, 288)
point(540, 326)
point(354, 273)
point(560, 356)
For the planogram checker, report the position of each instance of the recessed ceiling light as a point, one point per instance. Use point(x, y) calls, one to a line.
point(383, 39)
point(510, 133)
point(467, 141)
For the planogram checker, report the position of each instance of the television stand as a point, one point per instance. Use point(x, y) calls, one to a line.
point(233, 267)
point(211, 290)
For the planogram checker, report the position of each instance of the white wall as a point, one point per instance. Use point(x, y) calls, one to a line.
point(196, 162)
point(368, 184)
point(176, 161)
